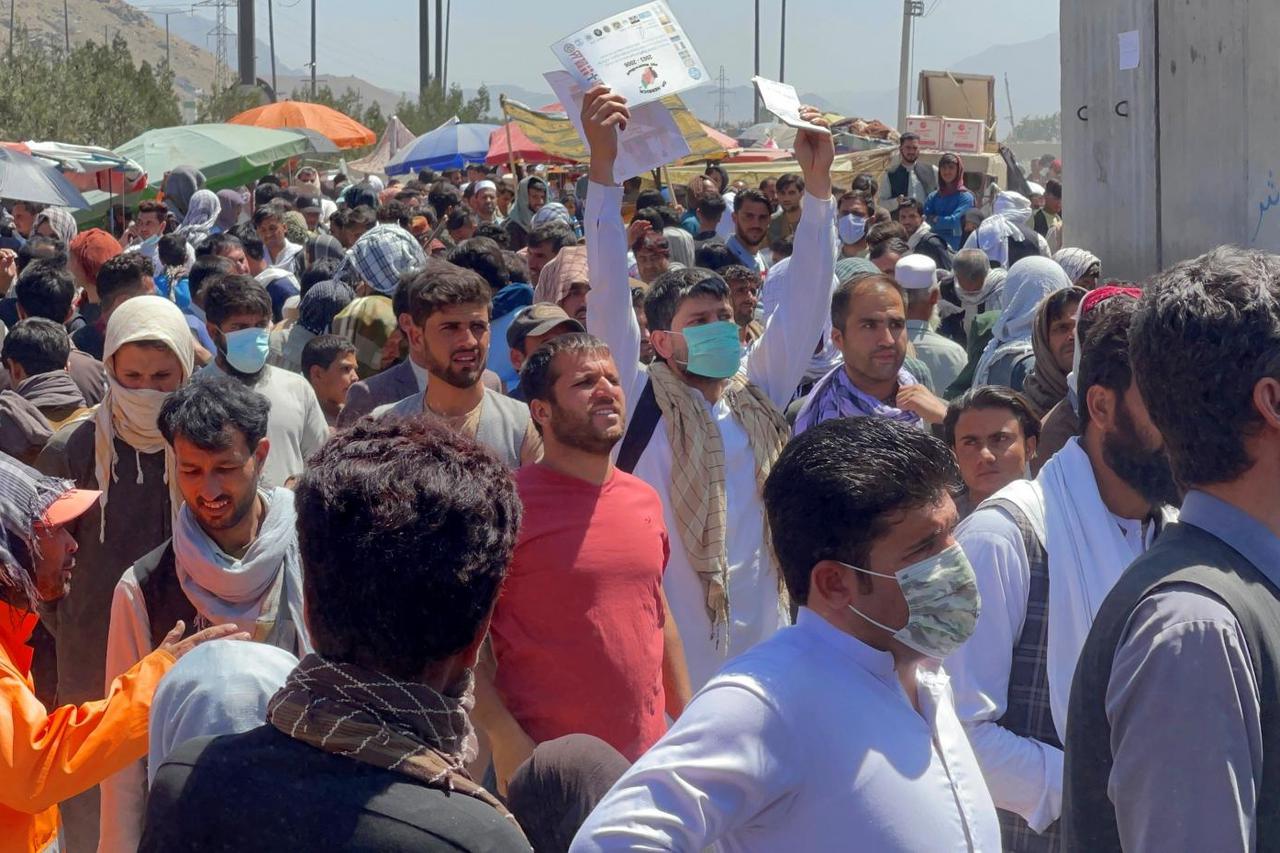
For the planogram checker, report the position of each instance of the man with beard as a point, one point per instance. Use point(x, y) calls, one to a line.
point(1171, 727)
point(920, 236)
point(449, 307)
point(484, 201)
point(909, 178)
point(1047, 552)
point(583, 638)
point(238, 316)
point(51, 755)
point(752, 214)
point(233, 559)
point(744, 292)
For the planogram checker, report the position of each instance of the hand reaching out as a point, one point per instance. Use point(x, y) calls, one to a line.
point(176, 646)
point(637, 229)
point(815, 152)
point(604, 113)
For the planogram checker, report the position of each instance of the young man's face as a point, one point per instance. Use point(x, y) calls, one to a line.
point(1062, 341)
point(910, 151)
point(485, 203)
point(693, 311)
point(745, 295)
point(575, 301)
point(220, 486)
point(874, 338)
point(888, 262)
point(505, 199)
point(236, 255)
point(537, 198)
point(139, 366)
point(537, 257)
point(1052, 203)
point(23, 219)
point(991, 450)
point(271, 232)
point(455, 343)
point(770, 190)
point(332, 383)
point(789, 197)
point(586, 409)
point(752, 222)
point(150, 224)
point(651, 263)
point(910, 219)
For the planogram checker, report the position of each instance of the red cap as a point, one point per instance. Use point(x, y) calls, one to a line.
point(1102, 294)
point(69, 506)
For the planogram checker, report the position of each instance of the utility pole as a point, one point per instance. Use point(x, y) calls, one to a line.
point(66, 30)
point(168, 57)
point(782, 46)
point(721, 99)
point(448, 17)
point(424, 47)
point(755, 115)
point(440, 43)
point(246, 39)
point(911, 9)
point(1009, 99)
point(271, 39)
point(12, 4)
point(313, 50)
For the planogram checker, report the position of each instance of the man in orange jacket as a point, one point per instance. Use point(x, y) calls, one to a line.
point(47, 757)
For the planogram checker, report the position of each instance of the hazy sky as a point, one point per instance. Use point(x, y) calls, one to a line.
point(507, 41)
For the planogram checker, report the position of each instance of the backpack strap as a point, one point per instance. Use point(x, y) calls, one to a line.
point(643, 422)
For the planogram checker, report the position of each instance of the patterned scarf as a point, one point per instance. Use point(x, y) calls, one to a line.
point(403, 726)
point(697, 475)
point(835, 396)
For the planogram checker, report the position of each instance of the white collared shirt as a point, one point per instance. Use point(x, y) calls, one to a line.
point(420, 374)
point(808, 742)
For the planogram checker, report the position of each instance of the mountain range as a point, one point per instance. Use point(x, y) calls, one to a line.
point(1032, 66)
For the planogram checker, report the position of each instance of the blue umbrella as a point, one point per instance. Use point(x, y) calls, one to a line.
point(450, 146)
point(24, 178)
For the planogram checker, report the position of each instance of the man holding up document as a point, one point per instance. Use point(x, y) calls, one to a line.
point(701, 400)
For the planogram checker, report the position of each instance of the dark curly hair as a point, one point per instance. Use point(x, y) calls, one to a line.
point(405, 529)
point(1204, 333)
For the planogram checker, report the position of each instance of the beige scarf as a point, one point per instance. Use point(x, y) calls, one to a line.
point(131, 414)
point(697, 471)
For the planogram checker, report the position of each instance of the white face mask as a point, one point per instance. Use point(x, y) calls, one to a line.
point(942, 603)
point(851, 228)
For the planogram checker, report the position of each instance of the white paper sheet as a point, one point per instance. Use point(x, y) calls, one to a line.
point(781, 100)
point(642, 54)
point(650, 140)
point(1130, 50)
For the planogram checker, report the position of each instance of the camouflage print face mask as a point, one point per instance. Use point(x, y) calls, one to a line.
point(942, 603)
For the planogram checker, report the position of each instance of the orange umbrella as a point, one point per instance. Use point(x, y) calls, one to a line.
point(345, 132)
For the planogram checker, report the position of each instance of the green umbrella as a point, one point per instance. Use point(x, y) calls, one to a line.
point(227, 154)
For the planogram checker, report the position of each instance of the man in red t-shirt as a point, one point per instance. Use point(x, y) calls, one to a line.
point(582, 636)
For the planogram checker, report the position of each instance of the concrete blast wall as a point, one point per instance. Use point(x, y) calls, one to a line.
point(1182, 153)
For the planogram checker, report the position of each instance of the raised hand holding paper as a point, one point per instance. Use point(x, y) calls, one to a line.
point(642, 54)
point(649, 140)
point(781, 100)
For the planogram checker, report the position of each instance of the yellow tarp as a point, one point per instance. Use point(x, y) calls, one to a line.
point(555, 134)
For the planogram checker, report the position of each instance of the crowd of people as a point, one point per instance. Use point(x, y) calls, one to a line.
point(792, 516)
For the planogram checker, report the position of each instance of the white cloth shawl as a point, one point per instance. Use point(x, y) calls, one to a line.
point(1087, 554)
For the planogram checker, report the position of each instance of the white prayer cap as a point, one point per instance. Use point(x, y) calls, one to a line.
point(1035, 188)
point(916, 272)
point(481, 186)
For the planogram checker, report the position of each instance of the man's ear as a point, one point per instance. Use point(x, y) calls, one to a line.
point(1266, 399)
point(1102, 403)
point(540, 411)
point(260, 452)
point(660, 340)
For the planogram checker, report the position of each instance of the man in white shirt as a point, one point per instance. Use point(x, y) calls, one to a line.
point(837, 733)
point(1046, 553)
point(238, 316)
point(724, 590)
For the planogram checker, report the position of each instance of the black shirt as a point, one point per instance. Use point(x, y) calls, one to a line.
point(264, 791)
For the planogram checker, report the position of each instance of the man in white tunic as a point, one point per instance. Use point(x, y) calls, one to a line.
point(837, 733)
point(700, 403)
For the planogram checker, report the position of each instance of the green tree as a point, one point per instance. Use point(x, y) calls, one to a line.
point(96, 95)
point(222, 104)
point(434, 107)
point(1038, 129)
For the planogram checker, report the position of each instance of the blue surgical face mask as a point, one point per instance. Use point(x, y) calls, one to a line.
point(851, 228)
point(247, 349)
point(715, 350)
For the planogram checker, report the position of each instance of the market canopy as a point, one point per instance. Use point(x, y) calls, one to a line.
point(395, 137)
point(452, 145)
point(344, 131)
point(510, 141)
point(227, 154)
point(89, 167)
point(25, 178)
point(551, 131)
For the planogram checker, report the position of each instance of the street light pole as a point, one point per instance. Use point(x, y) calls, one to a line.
point(782, 46)
point(756, 96)
point(911, 9)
